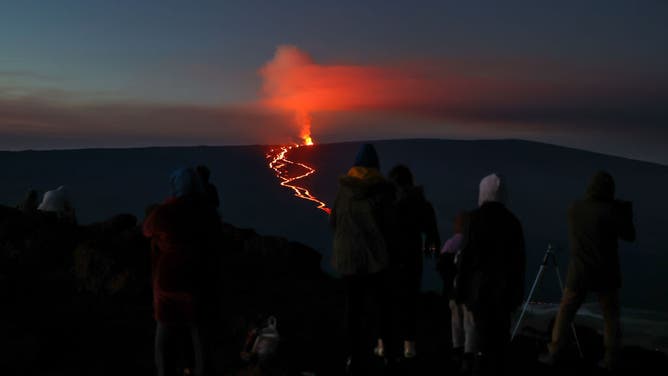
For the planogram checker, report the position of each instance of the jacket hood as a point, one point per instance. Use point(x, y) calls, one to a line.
point(367, 186)
point(492, 189)
point(364, 173)
point(601, 187)
point(185, 182)
point(54, 200)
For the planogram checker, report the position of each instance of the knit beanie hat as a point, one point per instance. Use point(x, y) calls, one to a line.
point(367, 157)
point(492, 189)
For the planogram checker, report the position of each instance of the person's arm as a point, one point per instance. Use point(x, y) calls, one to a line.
point(215, 197)
point(332, 214)
point(624, 219)
point(148, 227)
point(465, 261)
point(211, 278)
point(453, 245)
point(518, 268)
point(446, 268)
point(432, 237)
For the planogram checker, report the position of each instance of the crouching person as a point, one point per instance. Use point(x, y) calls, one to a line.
point(491, 280)
point(184, 232)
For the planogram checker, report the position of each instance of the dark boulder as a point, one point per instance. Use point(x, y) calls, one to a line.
point(35, 242)
point(113, 259)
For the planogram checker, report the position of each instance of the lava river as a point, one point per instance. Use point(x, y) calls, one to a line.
point(285, 172)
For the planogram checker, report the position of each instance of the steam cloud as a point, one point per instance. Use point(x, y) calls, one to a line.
point(513, 94)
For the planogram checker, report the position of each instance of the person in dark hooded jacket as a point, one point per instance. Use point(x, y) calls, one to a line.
point(360, 220)
point(491, 274)
point(184, 232)
point(595, 223)
point(415, 234)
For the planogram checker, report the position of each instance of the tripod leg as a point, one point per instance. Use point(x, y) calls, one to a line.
point(575, 333)
point(539, 276)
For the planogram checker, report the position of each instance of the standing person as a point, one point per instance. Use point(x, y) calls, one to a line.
point(491, 280)
point(210, 191)
point(360, 220)
point(184, 232)
point(461, 319)
point(415, 234)
point(594, 225)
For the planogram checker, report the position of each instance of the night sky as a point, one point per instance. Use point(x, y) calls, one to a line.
point(585, 74)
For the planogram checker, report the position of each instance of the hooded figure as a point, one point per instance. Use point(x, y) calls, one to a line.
point(360, 217)
point(491, 275)
point(54, 200)
point(594, 225)
point(57, 201)
point(361, 220)
point(184, 233)
point(415, 234)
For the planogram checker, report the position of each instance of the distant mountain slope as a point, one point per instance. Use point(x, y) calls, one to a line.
point(543, 179)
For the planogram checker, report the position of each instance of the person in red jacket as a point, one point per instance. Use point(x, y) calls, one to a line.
point(184, 232)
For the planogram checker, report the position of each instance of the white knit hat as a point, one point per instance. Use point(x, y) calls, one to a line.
point(492, 189)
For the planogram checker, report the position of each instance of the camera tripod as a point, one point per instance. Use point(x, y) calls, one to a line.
point(549, 255)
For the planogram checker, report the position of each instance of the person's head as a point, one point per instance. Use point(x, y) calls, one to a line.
point(367, 157)
point(55, 200)
point(492, 189)
point(601, 186)
point(460, 220)
point(31, 200)
point(203, 172)
point(31, 195)
point(185, 182)
point(401, 176)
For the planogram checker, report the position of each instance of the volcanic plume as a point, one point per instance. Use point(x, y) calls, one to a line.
point(477, 95)
point(293, 81)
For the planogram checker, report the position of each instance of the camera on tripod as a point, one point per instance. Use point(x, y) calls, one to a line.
point(548, 259)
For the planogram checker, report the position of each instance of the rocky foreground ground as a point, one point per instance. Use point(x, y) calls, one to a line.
point(76, 300)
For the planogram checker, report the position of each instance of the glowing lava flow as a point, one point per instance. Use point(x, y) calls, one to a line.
point(280, 164)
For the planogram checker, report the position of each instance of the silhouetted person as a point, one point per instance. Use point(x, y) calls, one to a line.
point(30, 202)
point(360, 224)
point(184, 233)
point(461, 319)
point(491, 280)
point(594, 225)
point(210, 191)
point(57, 201)
point(414, 234)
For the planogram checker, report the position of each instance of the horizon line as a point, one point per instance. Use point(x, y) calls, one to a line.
point(349, 141)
